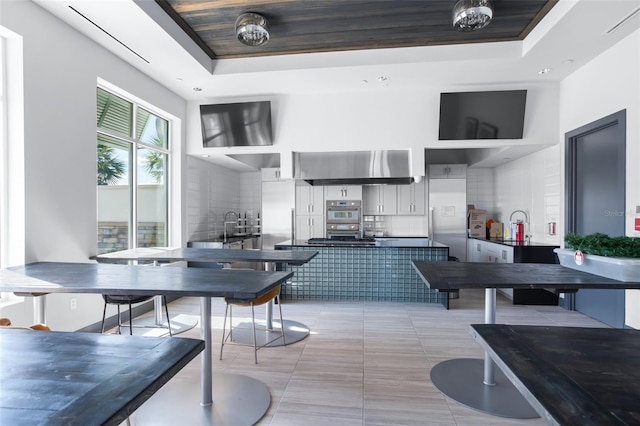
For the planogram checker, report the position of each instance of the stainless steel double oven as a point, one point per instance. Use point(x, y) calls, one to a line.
point(344, 219)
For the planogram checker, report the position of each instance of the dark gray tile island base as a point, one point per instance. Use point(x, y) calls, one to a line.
point(362, 273)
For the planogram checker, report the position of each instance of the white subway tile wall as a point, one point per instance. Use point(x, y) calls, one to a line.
point(531, 184)
point(480, 189)
point(212, 191)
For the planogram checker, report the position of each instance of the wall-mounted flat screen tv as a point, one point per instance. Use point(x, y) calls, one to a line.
point(236, 124)
point(482, 115)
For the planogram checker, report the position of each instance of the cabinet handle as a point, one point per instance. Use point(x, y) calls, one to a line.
point(504, 254)
point(478, 247)
point(278, 174)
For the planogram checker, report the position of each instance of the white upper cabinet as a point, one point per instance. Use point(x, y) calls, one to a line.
point(447, 171)
point(379, 199)
point(270, 174)
point(309, 199)
point(412, 198)
point(343, 192)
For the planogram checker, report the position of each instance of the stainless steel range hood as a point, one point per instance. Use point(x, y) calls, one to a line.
point(353, 167)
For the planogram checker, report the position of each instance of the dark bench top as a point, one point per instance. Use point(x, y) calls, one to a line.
point(57, 277)
point(448, 276)
point(193, 254)
point(56, 378)
point(570, 375)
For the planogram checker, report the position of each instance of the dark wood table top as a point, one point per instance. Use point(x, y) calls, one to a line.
point(570, 375)
point(448, 276)
point(193, 254)
point(56, 378)
point(57, 277)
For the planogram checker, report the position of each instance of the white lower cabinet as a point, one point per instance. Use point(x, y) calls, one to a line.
point(488, 251)
point(309, 226)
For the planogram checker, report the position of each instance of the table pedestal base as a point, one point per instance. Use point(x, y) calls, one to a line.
point(293, 332)
point(237, 400)
point(462, 381)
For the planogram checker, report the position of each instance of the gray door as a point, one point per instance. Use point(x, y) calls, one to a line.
point(595, 200)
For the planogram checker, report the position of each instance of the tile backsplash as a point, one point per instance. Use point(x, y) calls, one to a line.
point(531, 183)
point(212, 191)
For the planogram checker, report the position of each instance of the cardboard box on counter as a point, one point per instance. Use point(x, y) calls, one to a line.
point(477, 222)
point(496, 231)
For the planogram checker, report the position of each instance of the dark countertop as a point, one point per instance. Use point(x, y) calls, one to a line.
point(193, 254)
point(513, 243)
point(570, 375)
point(379, 242)
point(57, 378)
point(449, 276)
point(230, 238)
point(56, 277)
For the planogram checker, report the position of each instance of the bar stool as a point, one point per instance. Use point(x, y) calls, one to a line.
point(265, 298)
point(120, 299)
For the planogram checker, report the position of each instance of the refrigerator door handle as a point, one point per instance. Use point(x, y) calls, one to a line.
point(430, 223)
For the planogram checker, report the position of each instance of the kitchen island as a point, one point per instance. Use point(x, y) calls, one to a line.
point(377, 269)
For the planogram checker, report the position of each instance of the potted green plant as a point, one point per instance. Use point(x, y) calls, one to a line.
point(612, 257)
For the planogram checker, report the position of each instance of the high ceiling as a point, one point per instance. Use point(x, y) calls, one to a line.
point(347, 51)
point(302, 26)
point(330, 46)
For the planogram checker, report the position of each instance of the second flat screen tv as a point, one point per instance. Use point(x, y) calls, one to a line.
point(236, 124)
point(482, 115)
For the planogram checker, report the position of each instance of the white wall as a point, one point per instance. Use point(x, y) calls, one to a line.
point(368, 119)
point(610, 83)
point(61, 71)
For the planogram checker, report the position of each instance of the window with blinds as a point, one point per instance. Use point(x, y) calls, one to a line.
point(132, 168)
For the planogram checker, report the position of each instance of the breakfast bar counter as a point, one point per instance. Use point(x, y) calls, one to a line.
point(474, 382)
point(377, 269)
point(58, 378)
point(570, 375)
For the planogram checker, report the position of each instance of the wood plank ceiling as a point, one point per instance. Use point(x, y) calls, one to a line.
point(307, 26)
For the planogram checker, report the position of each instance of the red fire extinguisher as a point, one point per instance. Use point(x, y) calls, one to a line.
point(519, 231)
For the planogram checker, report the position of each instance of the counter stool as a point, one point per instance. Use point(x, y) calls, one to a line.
point(265, 298)
point(120, 299)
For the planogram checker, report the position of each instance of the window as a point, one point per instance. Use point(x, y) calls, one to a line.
point(132, 174)
point(12, 193)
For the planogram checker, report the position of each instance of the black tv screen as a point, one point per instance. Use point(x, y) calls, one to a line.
point(236, 124)
point(482, 115)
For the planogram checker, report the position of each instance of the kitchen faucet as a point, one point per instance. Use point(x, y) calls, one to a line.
point(227, 216)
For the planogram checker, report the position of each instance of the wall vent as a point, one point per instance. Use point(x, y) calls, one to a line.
point(109, 34)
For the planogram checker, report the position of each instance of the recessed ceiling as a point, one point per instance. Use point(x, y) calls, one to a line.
point(301, 26)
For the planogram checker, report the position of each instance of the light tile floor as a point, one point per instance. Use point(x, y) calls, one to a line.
point(365, 363)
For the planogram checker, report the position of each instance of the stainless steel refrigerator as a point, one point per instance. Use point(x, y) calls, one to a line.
point(448, 215)
point(278, 203)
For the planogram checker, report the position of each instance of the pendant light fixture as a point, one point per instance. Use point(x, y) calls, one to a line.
point(471, 15)
point(252, 29)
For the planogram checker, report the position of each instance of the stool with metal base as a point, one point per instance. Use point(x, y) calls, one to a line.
point(118, 300)
point(265, 298)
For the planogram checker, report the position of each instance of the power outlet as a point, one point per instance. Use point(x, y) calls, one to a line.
point(73, 304)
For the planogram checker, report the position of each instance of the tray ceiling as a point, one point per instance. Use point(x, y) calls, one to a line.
point(302, 26)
